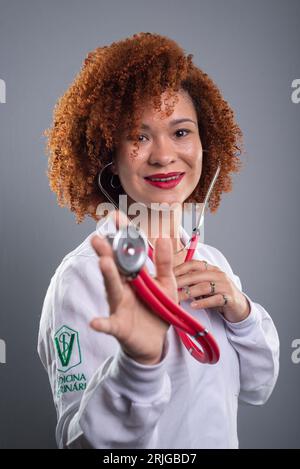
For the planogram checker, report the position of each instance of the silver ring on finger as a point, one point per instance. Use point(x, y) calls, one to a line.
point(213, 287)
point(187, 291)
point(225, 299)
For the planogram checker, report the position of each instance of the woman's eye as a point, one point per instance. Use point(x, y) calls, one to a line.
point(133, 137)
point(139, 138)
point(183, 130)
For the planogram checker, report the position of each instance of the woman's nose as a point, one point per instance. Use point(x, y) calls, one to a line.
point(162, 154)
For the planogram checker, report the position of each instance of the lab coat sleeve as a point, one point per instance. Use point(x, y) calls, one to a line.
point(122, 400)
point(256, 342)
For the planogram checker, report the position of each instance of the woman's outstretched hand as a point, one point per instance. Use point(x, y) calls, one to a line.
point(140, 332)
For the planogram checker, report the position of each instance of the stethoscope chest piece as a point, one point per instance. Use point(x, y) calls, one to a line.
point(130, 250)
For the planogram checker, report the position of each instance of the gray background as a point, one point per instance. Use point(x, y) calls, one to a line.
point(251, 50)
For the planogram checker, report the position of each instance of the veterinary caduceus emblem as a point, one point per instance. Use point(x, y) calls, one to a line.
point(68, 349)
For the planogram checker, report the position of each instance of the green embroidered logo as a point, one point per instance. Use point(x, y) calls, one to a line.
point(68, 349)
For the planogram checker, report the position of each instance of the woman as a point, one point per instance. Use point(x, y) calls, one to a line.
point(120, 376)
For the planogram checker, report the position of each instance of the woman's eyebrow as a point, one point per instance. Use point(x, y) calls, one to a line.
point(172, 122)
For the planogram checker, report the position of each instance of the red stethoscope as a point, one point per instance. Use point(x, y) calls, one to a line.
point(131, 248)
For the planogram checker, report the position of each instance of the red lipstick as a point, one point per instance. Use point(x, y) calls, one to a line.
point(165, 180)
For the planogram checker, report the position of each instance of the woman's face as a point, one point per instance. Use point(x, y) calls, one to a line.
point(165, 146)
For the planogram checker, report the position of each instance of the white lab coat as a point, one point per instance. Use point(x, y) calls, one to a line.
point(104, 399)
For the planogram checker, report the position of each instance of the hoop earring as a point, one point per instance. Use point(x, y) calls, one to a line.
point(111, 182)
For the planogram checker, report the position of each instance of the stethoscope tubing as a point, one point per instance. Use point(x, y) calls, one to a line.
point(183, 322)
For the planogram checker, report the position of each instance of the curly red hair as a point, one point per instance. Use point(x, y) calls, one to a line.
point(108, 93)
